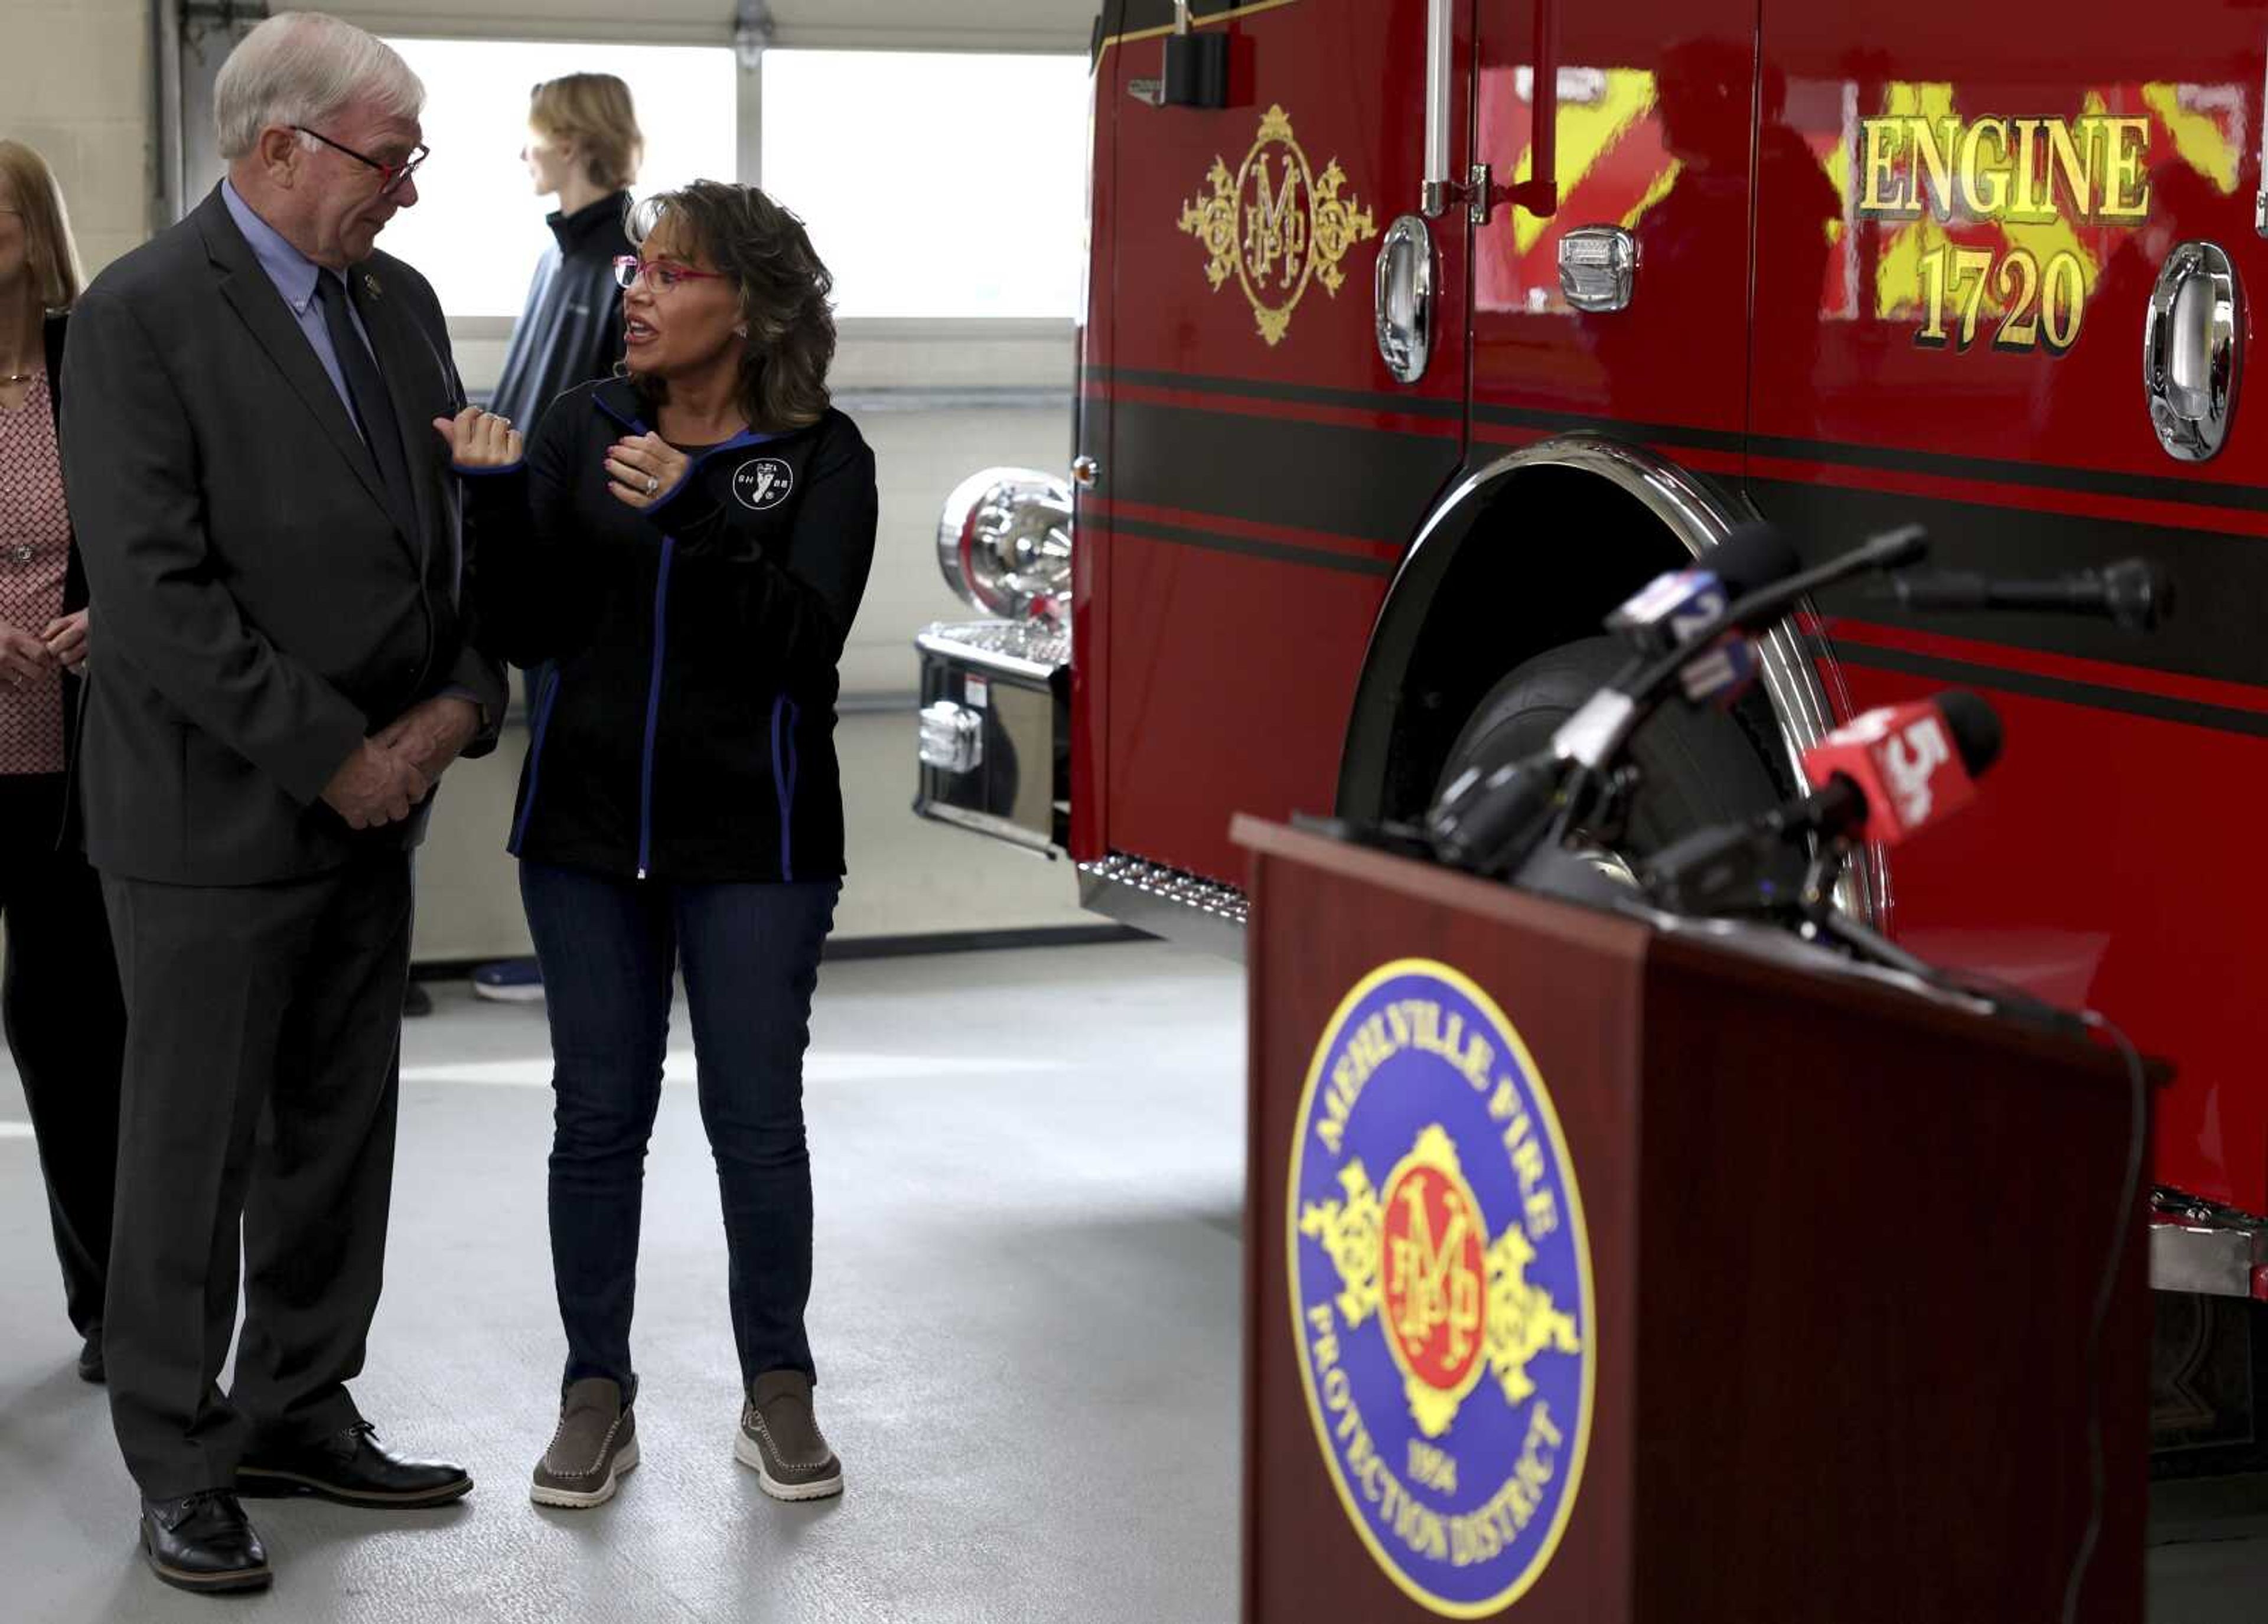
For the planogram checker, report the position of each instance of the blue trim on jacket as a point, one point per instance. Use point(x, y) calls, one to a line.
point(661, 636)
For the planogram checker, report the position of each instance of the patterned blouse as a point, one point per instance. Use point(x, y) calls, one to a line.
point(35, 556)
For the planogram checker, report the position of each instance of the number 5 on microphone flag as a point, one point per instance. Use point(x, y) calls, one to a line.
point(1902, 758)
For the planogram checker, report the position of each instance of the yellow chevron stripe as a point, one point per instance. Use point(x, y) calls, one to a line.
point(2197, 137)
point(1586, 135)
point(1654, 193)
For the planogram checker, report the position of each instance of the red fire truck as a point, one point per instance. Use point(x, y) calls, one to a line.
point(1420, 333)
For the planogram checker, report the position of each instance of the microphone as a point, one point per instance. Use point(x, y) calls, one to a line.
point(1892, 549)
point(1720, 673)
point(1884, 777)
point(1908, 764)
point(1671, 608)
point(1487, 822)
point(1595, 734)
point(2130, 592)
point(1488, 819)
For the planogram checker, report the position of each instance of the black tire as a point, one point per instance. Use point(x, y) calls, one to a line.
point(1697, 767)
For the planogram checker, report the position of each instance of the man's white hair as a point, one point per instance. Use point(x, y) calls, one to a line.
point(302, 68)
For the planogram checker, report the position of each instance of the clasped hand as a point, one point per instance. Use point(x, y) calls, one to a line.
point(25, 659)
point(396, 768)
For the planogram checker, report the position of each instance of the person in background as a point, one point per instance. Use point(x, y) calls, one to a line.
point(583, 148)
point(284, 666)
point(59, 994)
point(689, 545)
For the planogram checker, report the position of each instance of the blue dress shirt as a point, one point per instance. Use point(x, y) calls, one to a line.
point(294, 275)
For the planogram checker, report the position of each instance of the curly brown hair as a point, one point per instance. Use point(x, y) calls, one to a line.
point(784, 287)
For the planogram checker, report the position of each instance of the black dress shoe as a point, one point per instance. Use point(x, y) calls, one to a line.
point(416, 1000)
point(203, 1542)
point(351, 1468)
point(90, 1357)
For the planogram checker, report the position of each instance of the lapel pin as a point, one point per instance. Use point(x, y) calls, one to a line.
point(370, 284)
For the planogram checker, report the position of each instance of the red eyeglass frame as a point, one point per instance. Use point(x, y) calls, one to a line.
point(628, 268)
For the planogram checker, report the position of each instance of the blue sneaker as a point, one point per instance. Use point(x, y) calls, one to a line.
point(509, 980)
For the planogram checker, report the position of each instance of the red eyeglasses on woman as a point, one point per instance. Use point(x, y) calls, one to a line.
point(660, 275)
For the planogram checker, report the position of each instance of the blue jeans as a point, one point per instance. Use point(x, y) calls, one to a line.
point(750, 954)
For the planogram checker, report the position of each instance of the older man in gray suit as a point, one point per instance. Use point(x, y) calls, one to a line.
point(282, 670)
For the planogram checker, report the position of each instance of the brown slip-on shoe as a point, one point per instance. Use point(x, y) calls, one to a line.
point(595, 1443)
point(780, 1439)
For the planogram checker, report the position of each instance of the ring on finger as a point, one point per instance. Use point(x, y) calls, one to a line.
point(652, 484)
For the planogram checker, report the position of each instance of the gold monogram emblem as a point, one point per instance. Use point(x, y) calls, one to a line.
point(1275, 225)
point(1450, 1302)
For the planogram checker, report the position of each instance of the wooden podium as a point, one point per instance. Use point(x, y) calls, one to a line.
point(1844, 1239)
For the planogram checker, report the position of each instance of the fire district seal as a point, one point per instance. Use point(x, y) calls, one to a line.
point(1441, 1282)
point(762, 483)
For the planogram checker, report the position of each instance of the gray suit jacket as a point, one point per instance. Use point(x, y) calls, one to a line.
point(257, 608)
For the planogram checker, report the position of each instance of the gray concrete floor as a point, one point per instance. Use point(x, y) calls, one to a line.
point(2208, 1558)
point(1029, 1179)
point(1029, 1176)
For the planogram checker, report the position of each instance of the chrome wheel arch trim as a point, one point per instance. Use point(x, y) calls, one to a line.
point(1699, 519)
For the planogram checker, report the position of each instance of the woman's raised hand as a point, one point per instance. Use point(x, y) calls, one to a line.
point(643, 469)
point(479, 439)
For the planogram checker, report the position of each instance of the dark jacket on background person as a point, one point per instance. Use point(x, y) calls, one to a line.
point(263, 606)
point(572, 331)
point(687, 733)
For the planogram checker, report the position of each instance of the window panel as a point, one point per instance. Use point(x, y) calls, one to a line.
point(478, 228)
point(981, 215)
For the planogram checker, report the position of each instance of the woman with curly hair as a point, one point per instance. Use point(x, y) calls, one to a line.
point(688, 546)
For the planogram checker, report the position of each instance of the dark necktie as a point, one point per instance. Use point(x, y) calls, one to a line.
point(373, 408)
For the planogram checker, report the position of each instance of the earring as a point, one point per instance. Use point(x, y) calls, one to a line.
point(739, 332)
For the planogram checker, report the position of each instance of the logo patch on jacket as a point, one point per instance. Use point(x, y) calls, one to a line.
point(762, 484)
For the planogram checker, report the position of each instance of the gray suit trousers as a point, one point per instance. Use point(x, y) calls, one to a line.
point(263, 1031)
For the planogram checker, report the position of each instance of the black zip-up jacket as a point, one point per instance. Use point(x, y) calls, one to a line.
point(572, 331)
point(687, 730)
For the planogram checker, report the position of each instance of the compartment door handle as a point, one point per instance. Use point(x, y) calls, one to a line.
point(2192, 350)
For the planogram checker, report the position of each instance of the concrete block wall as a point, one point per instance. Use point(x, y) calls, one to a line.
point(77, 85)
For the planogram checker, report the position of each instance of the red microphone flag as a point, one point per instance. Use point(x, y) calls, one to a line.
point(1903, 759)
